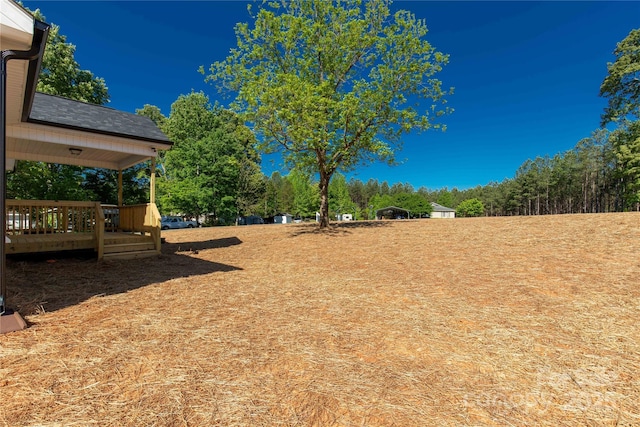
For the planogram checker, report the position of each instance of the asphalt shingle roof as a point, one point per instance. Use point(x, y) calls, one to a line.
point(62, 112)
point(440, 208)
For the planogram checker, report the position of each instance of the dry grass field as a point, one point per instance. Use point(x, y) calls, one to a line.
point(517, 321)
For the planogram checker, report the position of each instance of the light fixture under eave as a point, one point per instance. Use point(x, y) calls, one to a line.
point(75, 151)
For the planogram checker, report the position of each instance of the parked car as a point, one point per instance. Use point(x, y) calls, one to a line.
point(168, 222)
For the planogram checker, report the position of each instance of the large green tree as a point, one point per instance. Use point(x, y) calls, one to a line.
point(470, 208)
point(154, 113)
point(251, 187)
point(212, 167)
point(156, 116)
point(47, 181)
point(339, 199)
point(333, 84)
point(305, 194)
point(279, 195)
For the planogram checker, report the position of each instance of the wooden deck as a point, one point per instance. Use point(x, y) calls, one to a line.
point(31, 243)
point(112, 231)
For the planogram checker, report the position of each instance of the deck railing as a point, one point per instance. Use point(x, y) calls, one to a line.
point(111, 217)
point(49, 217)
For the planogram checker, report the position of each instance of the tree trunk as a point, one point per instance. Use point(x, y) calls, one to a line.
point(324, 200)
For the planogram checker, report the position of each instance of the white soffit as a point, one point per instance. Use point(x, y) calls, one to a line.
point(16, 27)
point(29, 141)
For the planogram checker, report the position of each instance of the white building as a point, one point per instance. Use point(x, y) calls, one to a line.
point(440, 211)
point(283, 218)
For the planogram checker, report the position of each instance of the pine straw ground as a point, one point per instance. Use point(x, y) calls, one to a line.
point(466, 322)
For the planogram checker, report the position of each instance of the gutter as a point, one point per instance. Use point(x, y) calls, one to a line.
point(34, 56)
point(40, 36)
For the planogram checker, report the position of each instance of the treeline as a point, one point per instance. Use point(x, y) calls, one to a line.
point(593, 177)
point(590, 178)
point(298, 194)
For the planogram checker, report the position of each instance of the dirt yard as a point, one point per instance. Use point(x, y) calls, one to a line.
point(516, 321)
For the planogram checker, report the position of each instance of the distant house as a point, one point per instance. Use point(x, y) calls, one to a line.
point(283, 218)
point(440, 211)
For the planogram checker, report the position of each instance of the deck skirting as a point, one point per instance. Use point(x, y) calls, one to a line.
point(56, 242)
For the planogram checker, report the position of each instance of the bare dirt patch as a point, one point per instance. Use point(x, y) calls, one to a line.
point(491, 321)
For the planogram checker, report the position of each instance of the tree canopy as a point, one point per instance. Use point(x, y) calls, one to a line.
point(621, 86)
point(153, 113)
point(339, 199)
point(333, 84)
point(305, 194)
point(213, 167)
point(470, 208)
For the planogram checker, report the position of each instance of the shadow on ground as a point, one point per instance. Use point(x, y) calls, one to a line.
point(337, 228)
point(168, 248)
point(49, 282)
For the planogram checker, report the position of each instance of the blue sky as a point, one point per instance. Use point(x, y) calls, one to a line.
point(526, 74)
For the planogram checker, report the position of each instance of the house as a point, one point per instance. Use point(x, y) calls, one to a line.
point(283, 218)
point(39, 127)
point(440, 211)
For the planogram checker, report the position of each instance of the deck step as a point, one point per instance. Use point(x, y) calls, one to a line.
point(114, 240)
point(130, 255)
point(128, 247)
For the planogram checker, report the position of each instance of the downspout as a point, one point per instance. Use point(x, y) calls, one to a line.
point(40, 33)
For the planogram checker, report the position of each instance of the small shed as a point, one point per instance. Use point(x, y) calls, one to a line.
point(283, 218)
point(392, 212)
point(440, 211)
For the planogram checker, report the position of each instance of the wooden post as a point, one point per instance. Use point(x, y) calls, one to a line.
point(120, 198)
point(152, 182)
point(99, 230)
